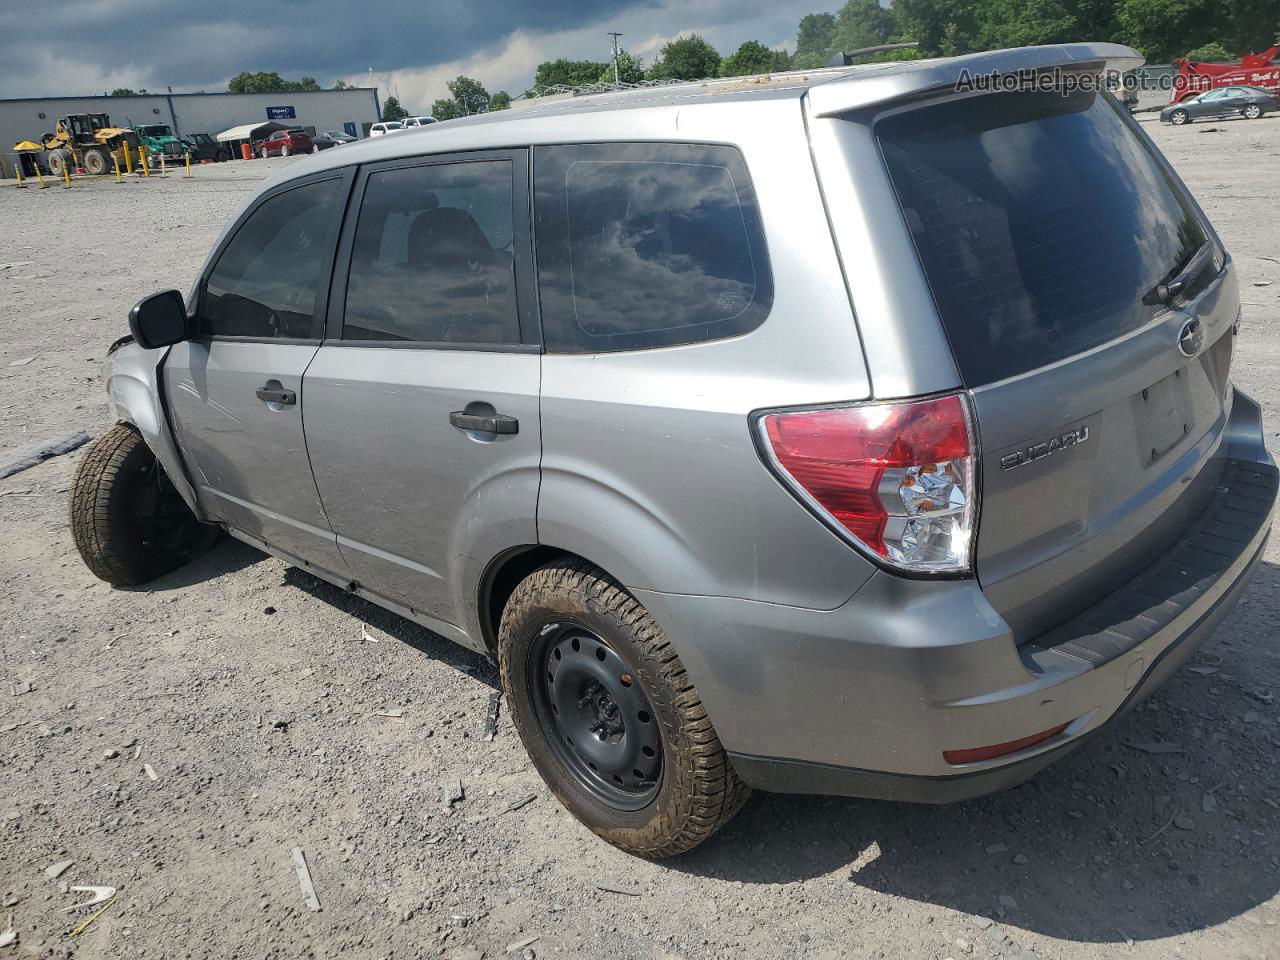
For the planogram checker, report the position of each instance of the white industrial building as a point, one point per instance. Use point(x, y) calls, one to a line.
point(352, 110)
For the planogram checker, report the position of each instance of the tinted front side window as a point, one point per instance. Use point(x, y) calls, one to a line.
point(647, 245)
point(433, 256)
point(1043, 224)
point(267, 281)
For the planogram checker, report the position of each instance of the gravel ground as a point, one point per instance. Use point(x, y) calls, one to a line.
point(247, 688)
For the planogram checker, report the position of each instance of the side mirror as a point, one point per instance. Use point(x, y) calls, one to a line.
point(159, 320)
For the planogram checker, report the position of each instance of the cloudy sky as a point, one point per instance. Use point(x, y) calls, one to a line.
point(72, 47)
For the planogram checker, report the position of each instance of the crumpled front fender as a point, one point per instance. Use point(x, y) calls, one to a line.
point(132, 376)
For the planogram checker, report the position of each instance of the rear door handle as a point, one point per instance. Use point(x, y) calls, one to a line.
point(495, 423)
point(270, 394)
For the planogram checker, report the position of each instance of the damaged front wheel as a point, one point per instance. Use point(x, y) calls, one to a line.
point(127, 520)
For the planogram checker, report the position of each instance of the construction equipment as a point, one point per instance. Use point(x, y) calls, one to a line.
point(81, 141)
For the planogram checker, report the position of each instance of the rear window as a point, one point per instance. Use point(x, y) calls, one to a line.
point(647, 245)
point(1042, 222)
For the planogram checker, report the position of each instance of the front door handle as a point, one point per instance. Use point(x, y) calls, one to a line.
point(276, 394)
point(493, 423)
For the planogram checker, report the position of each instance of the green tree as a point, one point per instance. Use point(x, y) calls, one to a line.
point(391, 109)
point(940, 27)
point(686, 58)
point(571, 73)
point(863, 23)
point(342, 85)
point(749, 59)
point(630, 69)
point(1212, 52)
point(261, 82)
point(816, 35)
point(501, 100)
point(269, 82)
point(466, 96)
point(1024, 23)
point(1163, 29)
point(125, 92)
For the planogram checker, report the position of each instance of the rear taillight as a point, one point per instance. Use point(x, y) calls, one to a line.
point(897, 478)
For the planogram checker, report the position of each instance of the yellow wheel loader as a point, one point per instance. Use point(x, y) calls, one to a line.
point(88, 141)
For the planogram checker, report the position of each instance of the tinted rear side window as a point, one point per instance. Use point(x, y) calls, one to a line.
point(432, 260)
point(1042, 223)
point(647, 245)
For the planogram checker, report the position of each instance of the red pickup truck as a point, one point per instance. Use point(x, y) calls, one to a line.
point(284, 142)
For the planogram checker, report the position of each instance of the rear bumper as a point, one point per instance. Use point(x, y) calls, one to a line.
point(865, 699)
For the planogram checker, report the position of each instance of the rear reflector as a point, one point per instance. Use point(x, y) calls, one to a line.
point(896, 477)
point(1001, 749)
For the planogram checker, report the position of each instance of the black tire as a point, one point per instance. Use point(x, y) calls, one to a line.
point(128, 522)
point(221, 157)
point(59, 160)
point(284, 151)
point(1252, 112)
point(264, 153)
point(1179, 117)
point(95, 162)
point(693, 790)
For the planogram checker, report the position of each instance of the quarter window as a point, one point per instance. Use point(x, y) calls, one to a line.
point(432, 259)
point(267, 280)
point(647, 245)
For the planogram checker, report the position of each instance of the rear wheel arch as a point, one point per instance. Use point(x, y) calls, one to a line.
point(500, 579)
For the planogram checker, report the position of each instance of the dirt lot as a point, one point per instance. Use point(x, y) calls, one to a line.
point(246, 687)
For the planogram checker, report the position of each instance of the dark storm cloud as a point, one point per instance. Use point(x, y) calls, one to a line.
point(60, 47)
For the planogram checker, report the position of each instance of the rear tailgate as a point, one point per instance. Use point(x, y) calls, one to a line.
point(1090, 312)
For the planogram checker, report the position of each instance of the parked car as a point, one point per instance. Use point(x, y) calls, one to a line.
point(201, 146)
point(338, 137)
point(408, 122)
point(283, 143)
point(1248, 102)
point(322, 141)
point(385, 127)
point(737, 494)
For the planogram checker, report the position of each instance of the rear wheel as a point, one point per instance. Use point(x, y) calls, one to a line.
point(127, 520)
point(264, 153)
point(284, 151)
point(221, 156)
point(1179, 117)
point(59, 160)
point(95, 162)
point(608, 715)
point(1252, 112)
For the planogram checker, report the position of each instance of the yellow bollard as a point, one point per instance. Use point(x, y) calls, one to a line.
point(128, 158)
point(66, 177)
point(115, 163)
point(188, 160)
point(142, 162)
point(18, 170)
point(43, 185)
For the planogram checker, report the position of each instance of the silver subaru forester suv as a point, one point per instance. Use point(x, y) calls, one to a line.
point(866, 431)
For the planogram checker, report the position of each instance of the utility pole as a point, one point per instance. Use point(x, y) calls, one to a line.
point(616, 81)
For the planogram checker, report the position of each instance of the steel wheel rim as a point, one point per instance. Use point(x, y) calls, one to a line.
point(595, 715)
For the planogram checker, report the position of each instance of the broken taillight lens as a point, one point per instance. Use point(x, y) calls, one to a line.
point(898, 478)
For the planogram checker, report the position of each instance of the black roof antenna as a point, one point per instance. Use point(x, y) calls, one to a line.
point(846, 58)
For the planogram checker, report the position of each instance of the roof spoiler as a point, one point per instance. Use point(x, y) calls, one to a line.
point(876, 83)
